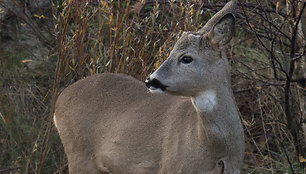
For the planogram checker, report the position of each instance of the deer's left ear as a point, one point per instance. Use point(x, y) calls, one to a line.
point(222, 32)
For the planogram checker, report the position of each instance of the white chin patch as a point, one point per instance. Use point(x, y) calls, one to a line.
point(54, 119)
point(205, 101)
point(156, 90)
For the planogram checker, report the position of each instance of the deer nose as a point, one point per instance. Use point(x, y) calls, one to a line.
point(155, 84)
point(148, 82)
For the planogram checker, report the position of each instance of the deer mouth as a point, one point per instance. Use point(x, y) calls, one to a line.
point(155, 86)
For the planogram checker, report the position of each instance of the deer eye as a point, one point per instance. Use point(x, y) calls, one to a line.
point(186, 59)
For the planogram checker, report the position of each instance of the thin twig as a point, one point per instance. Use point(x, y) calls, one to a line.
point(9, 169)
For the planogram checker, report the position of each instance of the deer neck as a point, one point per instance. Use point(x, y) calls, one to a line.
point(217, 116)
point(216, 106)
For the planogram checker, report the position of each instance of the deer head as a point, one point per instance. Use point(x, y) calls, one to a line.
point(197, 62)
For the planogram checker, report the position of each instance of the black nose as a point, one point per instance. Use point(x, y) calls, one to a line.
point(155, 84)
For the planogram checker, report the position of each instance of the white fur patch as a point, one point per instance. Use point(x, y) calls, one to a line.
point(54, 119)
point(206, 101)
point(155, 90)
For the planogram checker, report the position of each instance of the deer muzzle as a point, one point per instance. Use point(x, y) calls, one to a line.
point(155, 84)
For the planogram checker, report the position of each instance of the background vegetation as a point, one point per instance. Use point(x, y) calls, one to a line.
point(47, 45)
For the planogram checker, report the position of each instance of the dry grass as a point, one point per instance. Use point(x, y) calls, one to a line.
point(134, 38)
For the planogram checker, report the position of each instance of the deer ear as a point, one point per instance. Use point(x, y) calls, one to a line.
point(221, 33)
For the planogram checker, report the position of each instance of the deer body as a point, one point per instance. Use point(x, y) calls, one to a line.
point(110, 123)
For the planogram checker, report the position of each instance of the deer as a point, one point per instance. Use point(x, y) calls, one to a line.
point(187, 124)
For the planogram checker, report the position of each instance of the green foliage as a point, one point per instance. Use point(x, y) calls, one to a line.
point(11, 61)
